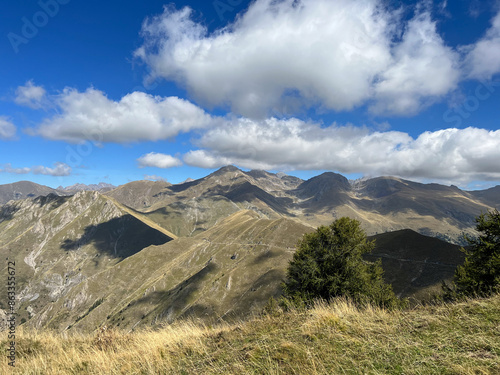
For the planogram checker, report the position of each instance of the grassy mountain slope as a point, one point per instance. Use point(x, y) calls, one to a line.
point(427, 208)
point(229, 271)
point(139, 194)
point(490, 196)
point(387, 204)
point(381, 204)
point(189, 217)
point(58, 242)
point(193, 207)
point(415, 265)
point(462, 338)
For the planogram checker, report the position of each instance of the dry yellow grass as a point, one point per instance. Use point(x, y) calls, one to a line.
point(335, 338)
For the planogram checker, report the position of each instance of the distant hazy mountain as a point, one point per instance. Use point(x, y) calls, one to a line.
point(27, 189)
point(489, 196)
point(101, 187)
point(22, 190)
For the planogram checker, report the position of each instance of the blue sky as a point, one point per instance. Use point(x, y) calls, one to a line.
point(117, 91)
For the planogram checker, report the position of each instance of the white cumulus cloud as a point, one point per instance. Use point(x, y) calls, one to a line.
point(7, 168)
point(7, 128)
point(154, 159)
point(282, 55)
point(483, 60)
point(423, 69)
point(447, 155)
point(91, 115)
point(59, 169)
point(31, 95)
point(214, 159)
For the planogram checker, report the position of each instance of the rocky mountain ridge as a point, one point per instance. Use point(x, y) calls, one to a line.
point(28, 189)
point(101, 187)
point(381, 204)
point(147, 253)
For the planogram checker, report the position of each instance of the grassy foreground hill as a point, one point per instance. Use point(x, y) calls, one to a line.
point(335, 338)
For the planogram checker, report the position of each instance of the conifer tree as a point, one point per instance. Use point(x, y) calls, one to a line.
point(329, 263)
point(479, 276)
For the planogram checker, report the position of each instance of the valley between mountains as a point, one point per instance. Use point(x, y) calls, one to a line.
point(148, 253)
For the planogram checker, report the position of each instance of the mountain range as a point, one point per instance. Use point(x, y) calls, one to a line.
point(27, 189)
point(381, 204)
point(147, 253)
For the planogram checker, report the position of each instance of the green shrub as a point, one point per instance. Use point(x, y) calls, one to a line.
point(328, 263)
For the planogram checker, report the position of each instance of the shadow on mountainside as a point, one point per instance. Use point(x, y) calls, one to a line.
point(413, 262)
point(52, 199)
point(249, 193)
point(7, 212)
point(251, 301)
point(265, 256)
point(182, 300)
point(184, 186)
point(119, 237)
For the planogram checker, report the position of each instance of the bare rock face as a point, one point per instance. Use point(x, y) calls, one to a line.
point(100, 187)
point(58, 242)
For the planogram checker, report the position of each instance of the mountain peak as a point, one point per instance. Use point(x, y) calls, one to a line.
point(226, 169)
point(326, 190)
point(330, 179)
point(229, 168)
point(23, 189)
